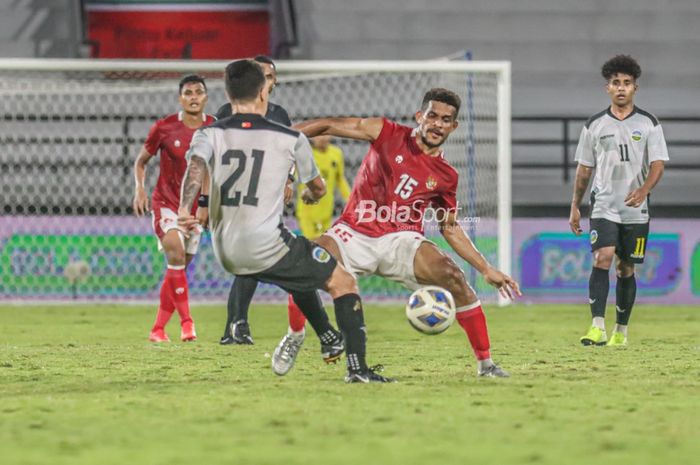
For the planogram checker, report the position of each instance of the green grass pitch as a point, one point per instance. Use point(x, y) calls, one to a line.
point(81, 385)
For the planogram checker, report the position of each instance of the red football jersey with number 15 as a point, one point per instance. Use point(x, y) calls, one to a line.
point(396, 183)
point(172, 138)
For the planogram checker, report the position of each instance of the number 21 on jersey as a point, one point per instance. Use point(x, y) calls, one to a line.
point(251, 197)
point(405, 187)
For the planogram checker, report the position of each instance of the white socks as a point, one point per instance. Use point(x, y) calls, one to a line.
point(599, 322)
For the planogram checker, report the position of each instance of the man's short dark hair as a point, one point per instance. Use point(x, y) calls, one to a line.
point(265, 59)
point(438, 94)
point(624, 64)
point(244, 80)
point(192, 78)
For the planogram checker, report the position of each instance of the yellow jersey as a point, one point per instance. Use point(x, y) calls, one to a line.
point(315, 219)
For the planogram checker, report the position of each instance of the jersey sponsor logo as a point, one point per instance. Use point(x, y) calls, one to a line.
point(636, 135)
point(607, 136)
point(399, 159)
point(431, 183)
point(321, 255)
point(594, 236)
point(368, 211)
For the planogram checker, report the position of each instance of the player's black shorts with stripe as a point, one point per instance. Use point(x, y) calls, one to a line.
point(630, 240)
point(306, 267)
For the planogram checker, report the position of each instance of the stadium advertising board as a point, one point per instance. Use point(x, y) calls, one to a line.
point(214, 29)
point(123, 262)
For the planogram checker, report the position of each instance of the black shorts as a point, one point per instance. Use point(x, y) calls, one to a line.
point(306, 267)
point(629, 240)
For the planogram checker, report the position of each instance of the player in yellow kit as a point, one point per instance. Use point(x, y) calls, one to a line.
point(315, 219)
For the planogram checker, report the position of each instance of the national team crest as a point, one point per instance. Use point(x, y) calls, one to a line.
point(399, 159)
point(431, 183)
point(321, 255)
point(177, 143)
point(594, 236)
point(636, 135)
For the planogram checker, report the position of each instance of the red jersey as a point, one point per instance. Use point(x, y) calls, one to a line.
point(172, 138)
point(396, 183)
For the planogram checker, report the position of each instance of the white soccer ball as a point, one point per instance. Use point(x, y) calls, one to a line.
point(431, 310)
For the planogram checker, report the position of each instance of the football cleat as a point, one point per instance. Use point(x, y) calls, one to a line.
point(331, 352)
point(370, 375)
point(285, 353)
point(493, 371)
point(617, 339)
point(240, 333)
point(188, 333)
point(158, 335)
point(594, 337)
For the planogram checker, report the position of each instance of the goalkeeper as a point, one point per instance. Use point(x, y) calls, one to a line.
point(315, 219)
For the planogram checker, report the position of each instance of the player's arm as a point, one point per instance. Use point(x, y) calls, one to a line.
point(315, 189)
point(351, 128)
point(465, 248)
point(585, 156)
point(308, 171)
point(140, 203)
point(203, 201)
point(639, 195)
point(191, 185)
point(583, 177)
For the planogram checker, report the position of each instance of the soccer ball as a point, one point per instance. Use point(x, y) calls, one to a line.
point(431, 310)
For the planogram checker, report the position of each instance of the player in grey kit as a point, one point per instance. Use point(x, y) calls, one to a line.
point(248, 159)
point(626, 147)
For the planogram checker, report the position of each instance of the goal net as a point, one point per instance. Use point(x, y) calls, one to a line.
point(72, 129)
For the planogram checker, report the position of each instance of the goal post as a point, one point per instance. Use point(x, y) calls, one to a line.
point(72, 128)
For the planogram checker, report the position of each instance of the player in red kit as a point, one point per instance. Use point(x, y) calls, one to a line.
point(381, 229)
point(171, 137)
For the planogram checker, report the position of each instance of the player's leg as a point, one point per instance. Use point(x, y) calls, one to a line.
point(174, 249)
point(237, 330)
point(625, 294)
point(604, 238)
point(632, 250)
point(311, 230)
point(342, 286)
point(433, 266)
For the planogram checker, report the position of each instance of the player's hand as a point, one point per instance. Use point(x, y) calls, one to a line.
point(186, 222)
point(575, 220)
point(636, 197)
point(507, 286)
point(288, 192)
point(307, 197)
point(203, 216)
point(140, 203)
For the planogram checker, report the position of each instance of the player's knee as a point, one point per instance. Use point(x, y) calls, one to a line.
point(624, 269)
point(342, 282)
point(453, 277)
point(603, 259)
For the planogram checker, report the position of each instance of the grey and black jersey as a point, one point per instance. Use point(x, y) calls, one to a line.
point(621, 152)
point(249, 158)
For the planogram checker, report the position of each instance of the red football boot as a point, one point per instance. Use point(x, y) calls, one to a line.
point(158, 335)
point(188, 333)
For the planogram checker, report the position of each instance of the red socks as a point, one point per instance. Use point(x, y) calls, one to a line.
point(173, 296)
point(472, 319)
point(297, 320)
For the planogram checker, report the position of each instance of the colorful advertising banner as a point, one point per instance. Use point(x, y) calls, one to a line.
point(107, 258)
point(178, 29)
